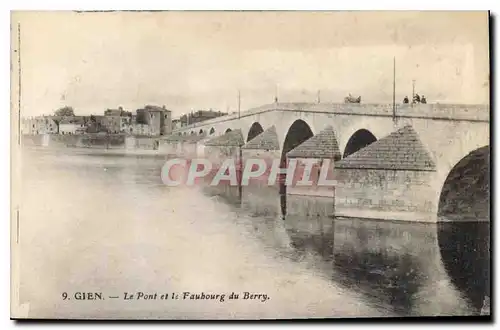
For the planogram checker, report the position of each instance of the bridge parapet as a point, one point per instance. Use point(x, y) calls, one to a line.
point(438, 111)
point(478, 112)
point(473, 112)
point(233, 116)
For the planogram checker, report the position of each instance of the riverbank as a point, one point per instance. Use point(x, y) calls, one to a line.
point(94, 141)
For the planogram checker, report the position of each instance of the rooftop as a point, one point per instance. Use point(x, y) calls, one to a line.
point(149, 107)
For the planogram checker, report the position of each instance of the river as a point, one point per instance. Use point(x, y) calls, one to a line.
point(92, 222)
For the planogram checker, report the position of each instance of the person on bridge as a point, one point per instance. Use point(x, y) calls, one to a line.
point(405, 100)
point(423, 100)
point(416, 98)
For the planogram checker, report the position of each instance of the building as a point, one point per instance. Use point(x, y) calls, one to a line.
point(111, 124)
point(117, 112)
point(176, 124)
point(95, 124)
point(140, 129)
point(73, 125)
point(116, 121)
point(199, 116)
point(159, 119)
point(167, 122)
point(151, 118)
point(40, 125)
point(113, 112)
point(125, 123)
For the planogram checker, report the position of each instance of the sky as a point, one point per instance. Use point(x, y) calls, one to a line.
point(199, 60)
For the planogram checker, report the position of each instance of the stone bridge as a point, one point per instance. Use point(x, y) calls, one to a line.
point(455, 138)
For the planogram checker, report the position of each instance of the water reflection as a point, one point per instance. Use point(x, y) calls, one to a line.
point(466, 257)
point(380, 260)
point(322, 243)
point(399, 266)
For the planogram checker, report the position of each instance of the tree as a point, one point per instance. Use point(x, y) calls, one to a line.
point(65, 111)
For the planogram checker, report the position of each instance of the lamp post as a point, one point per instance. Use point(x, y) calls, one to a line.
point(394, 90)
point(240, 167)
point(413, 92)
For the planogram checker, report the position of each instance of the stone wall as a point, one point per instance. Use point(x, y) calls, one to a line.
point(167, 122)
point(189, 149)
point(260, 198)
point(35, 140)
point(217, 155)
point(142, 142)
point(179, 148)
point(268, 157)
point(312, 175)
point(318, 206)
point(75, 141)
point(385, 194)
point(170, 147)
point(99, 141)
point(102, 141)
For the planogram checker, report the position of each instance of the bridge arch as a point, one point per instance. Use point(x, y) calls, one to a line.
point(454, 150)
point(466, 189)
point(255, 130)
point(193, 133)
point(378, 127)
point(285, 122)
point(228, 130)
point(297, 134)
point(360, 139)
point(200, 132)
point(212, 131)
point(464, 244)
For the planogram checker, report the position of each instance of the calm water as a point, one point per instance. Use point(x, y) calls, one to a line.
point(105, 223)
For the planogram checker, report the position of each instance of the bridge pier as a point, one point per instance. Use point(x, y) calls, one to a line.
point(391, 179)
point(385, 195)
